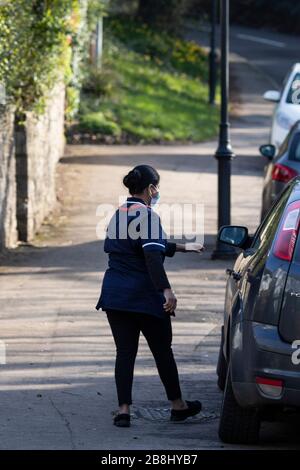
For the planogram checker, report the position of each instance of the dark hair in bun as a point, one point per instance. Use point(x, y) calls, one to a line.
point(139, 178)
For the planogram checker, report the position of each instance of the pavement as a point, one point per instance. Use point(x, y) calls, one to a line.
point(57, 386)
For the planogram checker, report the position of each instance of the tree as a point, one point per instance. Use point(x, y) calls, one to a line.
point(165, 14)
point(42, 41)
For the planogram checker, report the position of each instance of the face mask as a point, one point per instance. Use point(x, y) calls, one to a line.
point(155, 199)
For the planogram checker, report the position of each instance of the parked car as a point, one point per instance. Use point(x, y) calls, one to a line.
point(281, 168)
point(287, 111)
point(256, 367)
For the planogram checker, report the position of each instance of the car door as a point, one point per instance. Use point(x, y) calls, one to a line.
point(292, 157)
point(270, 189)
point(245, 280)
point(289, 324)
point(278, 105)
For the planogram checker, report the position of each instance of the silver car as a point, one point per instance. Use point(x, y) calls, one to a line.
point(287, 110)
point(281, 167)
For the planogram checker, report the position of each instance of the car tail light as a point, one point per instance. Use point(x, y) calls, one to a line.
point(288, 232)
point(271, 387)
point(283, 173)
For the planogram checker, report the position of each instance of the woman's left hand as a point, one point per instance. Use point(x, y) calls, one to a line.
point(171, 301)
point(194, 247)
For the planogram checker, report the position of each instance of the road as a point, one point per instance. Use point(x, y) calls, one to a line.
point(270, 52)
point(57, 387)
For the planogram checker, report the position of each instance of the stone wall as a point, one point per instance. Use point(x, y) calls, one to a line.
point(45, 145)
point(8, 224)
point(28, 158)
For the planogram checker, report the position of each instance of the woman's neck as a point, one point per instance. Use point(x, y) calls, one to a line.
point(143, 197)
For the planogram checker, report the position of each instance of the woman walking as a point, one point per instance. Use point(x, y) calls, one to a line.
point(136, 294)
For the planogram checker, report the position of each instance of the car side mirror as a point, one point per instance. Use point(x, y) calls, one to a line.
point(268, 151)
point(272, 95)
point(233, 235)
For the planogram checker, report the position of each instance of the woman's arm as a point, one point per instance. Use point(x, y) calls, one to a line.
point(180, 247)
point(186, 247)
point(155, 267)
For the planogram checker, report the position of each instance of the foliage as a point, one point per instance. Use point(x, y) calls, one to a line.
point(165, 15)
point(164, 49)
point(95, 9)
point(99, 81)
point(33, 42)
point(97, 122)
point(283, 15)
point(149, 97)
point(42, 41)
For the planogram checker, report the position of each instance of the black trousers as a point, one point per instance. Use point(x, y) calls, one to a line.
point(126, 328)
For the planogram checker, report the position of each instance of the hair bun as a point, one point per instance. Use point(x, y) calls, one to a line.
point(139, 178)
point(133, 179)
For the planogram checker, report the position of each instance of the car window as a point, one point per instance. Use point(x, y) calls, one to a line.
point(295, 148)
point(266, 232)
point(286, 79)
point(293, 95)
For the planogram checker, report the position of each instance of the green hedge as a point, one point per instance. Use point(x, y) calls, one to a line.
point(40, 42)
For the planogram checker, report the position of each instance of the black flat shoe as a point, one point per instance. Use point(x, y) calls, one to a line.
point(194, 407)
point(122, 420)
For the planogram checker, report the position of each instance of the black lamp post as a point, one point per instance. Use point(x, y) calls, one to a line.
point(213, 54)
point(224, 153)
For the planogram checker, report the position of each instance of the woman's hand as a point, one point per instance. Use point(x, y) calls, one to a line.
point(190, 247)
point(171, 301)
point(194, 247)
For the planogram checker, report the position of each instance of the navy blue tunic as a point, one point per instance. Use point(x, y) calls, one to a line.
point(134, 229)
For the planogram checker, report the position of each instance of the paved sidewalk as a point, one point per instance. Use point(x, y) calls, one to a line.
point(57, 388)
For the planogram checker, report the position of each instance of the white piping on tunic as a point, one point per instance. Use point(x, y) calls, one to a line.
point(153, 243)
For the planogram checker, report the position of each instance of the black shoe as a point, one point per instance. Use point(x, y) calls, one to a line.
point(122, 420)
point(194, 407)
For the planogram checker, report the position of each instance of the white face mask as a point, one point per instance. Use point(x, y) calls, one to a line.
point(155, 199)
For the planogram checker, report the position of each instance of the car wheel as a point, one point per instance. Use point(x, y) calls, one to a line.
point(222, 365)
point(237, 425)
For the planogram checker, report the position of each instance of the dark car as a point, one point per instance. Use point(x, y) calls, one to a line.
point(282, 167)
point(259, 366)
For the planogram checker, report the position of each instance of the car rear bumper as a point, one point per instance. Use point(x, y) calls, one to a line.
point(258, 351)
point(249, 395)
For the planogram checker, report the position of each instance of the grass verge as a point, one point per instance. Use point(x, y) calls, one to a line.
point(152, 88)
